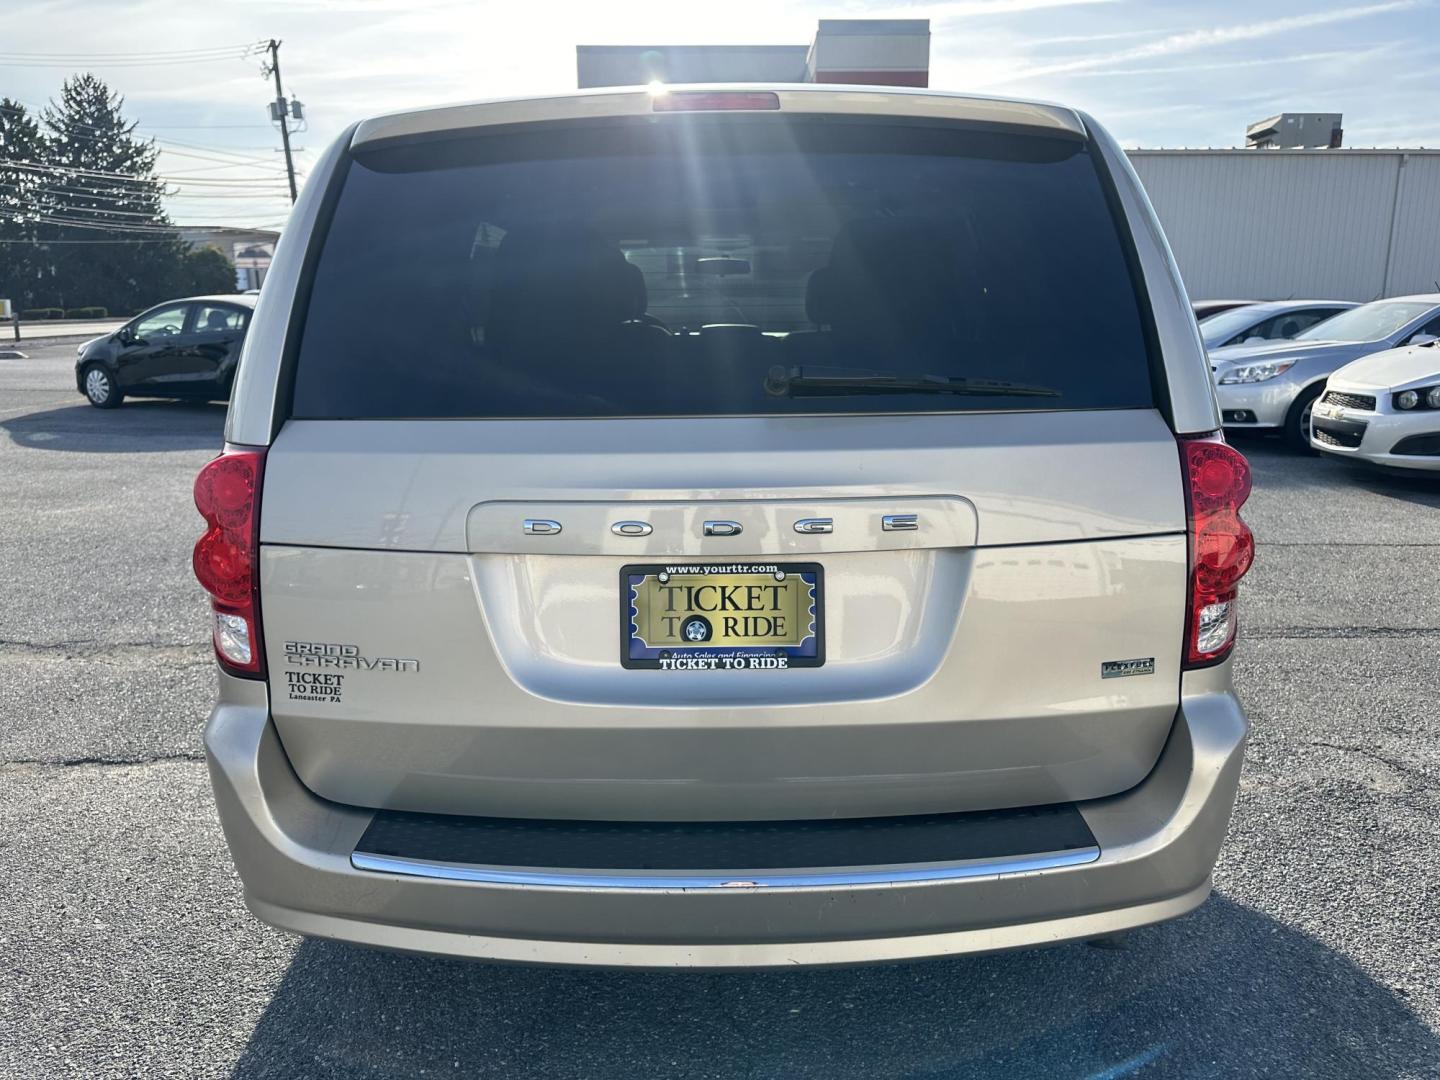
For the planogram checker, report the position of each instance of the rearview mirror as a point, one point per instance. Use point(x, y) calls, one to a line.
point(1422, 338)
point(720, 266)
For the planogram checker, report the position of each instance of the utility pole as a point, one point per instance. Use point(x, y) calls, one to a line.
point(281, 110)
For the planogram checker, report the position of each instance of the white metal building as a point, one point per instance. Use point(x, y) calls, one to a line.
point(1270, 224)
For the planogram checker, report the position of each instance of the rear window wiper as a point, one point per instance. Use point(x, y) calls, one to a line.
point(819, 381)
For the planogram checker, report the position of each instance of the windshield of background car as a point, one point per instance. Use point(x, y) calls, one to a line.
point(161, 321)
point(667, 267)
point(1215, 329)
point(1369, 322)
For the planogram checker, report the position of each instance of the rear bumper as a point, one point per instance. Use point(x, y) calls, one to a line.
point(1158, 843)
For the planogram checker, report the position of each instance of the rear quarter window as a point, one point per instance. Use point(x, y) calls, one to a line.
point(698, 266)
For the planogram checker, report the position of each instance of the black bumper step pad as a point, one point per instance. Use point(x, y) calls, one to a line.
point(726, 845)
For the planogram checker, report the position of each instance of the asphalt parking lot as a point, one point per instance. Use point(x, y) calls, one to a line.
point(125, 949)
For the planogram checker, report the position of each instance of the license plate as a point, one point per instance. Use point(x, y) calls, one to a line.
point(722, 616)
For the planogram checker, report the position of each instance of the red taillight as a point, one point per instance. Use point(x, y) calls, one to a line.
point(1217, 483)
point(700, 100)
point(226, 559)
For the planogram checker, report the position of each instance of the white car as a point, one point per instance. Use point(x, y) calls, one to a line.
point(1383, 409)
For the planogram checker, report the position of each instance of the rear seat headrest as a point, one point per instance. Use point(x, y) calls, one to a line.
point(636, 295)
point(819, 298)
point(888, 277)
point(561, 281)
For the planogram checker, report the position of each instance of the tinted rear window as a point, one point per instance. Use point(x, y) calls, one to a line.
point(721, 265)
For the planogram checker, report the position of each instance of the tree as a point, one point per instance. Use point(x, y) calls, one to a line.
point(113, 245)
point(24, 199)
point(205, 271)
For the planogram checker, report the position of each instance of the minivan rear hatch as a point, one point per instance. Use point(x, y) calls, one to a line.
point(723, 466)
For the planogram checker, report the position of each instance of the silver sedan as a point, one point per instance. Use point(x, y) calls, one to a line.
point(1274, 386)
point(1273, 320)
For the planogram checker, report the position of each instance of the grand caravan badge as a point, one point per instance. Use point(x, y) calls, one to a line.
point(342, 658)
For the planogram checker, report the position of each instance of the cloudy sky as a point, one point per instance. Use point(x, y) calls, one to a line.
point(1157, 72)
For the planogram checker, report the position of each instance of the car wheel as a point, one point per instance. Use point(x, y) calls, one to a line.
point(1297, 420)
point(100, 388)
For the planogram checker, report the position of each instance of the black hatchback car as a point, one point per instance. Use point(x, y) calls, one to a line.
point(178, 349)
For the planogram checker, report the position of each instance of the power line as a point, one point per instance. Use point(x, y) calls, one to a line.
point(60, 190)
point(87, 64)
point(210, 193)
point(47, 243)
point(131, 234)
point(131, 59)
point(236, 150)
point(140, 230)
point(119, 228)
point(101, 212)
point(24, 105)
point(219, 157)
point(220, 182)
point(187, 180)
point(249, 150)
point(104, 218)
point(70, 171)
point(163, 143)
point(25, 213)
point(130, 240)
point(254, 163)
point(253, 45)
point(68, 209)
point(164, 146)
point(159, 179)
point(259, 196)
point(38, 111)
point(86, 213)
point(164, 233)
point(220, 168)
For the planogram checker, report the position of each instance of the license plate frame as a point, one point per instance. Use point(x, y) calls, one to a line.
point(636, 653)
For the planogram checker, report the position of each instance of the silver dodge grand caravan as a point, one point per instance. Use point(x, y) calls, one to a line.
point(724, 527)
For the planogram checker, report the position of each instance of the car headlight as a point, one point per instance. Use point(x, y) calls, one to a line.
point(1252, 373)
point(1424, 397)
point(80, 349)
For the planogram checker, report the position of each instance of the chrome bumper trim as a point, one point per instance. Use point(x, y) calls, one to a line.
point(819, 877)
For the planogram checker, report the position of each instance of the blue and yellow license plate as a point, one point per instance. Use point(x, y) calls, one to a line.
point(722, 616)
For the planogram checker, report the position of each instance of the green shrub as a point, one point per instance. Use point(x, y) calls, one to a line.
point(87, 313)
point(36, 314)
